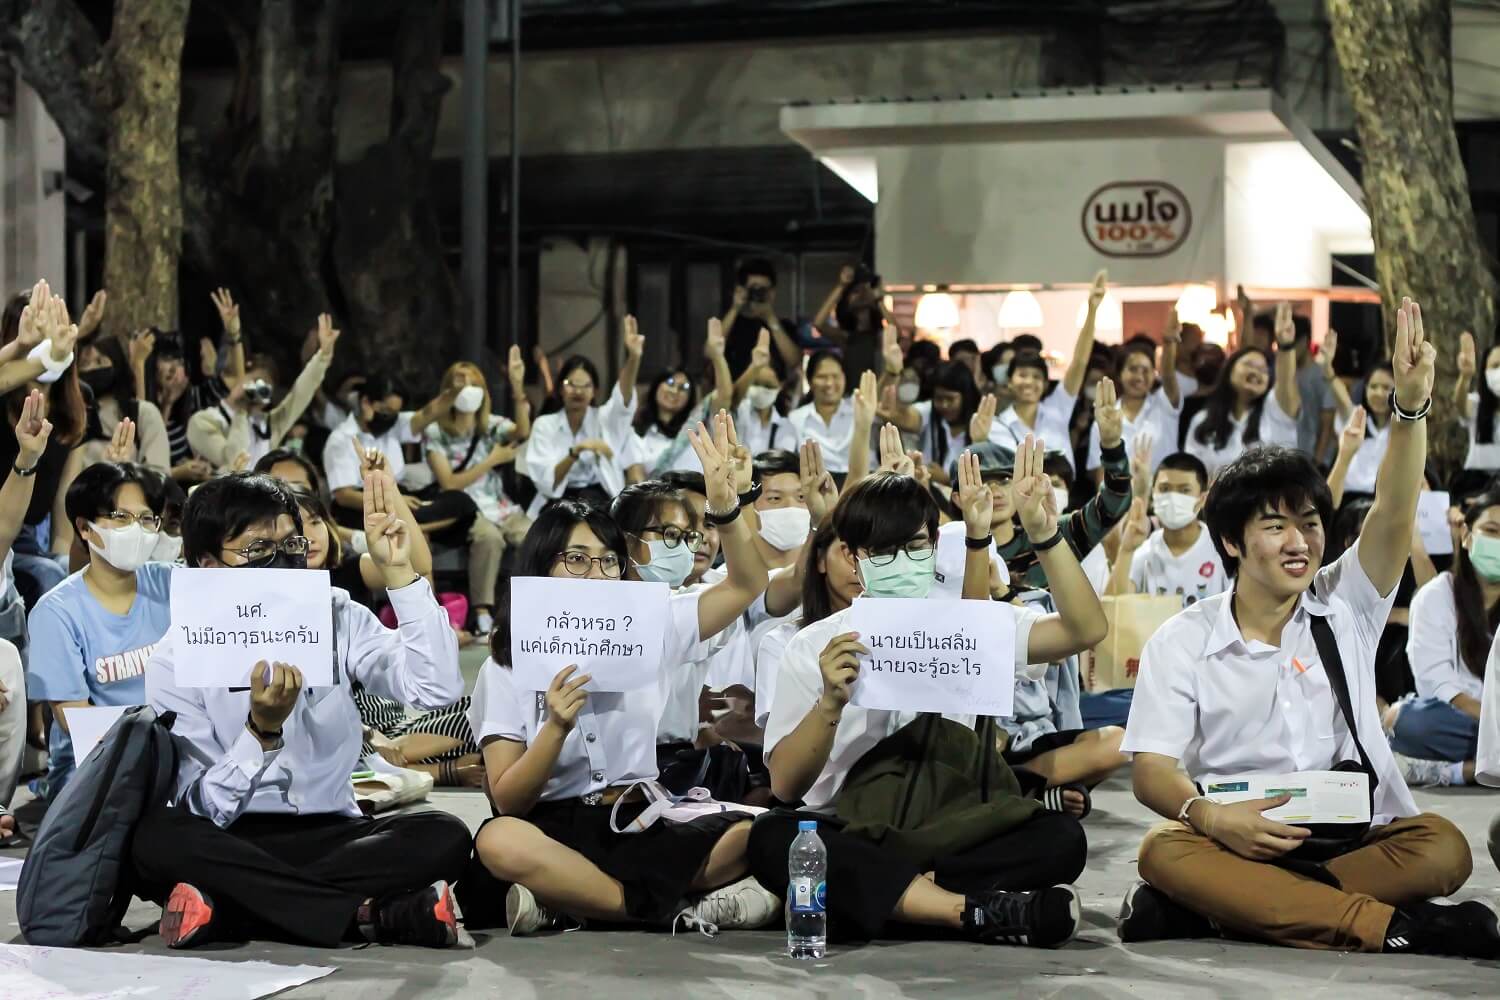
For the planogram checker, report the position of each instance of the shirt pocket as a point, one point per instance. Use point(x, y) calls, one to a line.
point(1316, 701)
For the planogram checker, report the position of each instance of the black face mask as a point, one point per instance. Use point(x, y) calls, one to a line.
point(380, 423)
point(101, 381)
point(279, 560)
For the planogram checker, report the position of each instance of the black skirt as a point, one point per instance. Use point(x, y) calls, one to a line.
point(655, 867)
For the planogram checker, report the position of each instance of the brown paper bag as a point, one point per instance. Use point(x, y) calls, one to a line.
point(1133, 618)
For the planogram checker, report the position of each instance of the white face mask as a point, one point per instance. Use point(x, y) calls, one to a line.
point(784, 528)
point(761, 397)
point(1000, 373)
point(1492, 379)
point(1060, 494)
point(908, 392)
point(470, 399)
point(671, 566)
point(127, 549)
point(1176, 510)
point(168, 548)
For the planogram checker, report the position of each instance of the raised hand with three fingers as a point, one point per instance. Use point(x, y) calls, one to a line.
point(1286, 330)
point(1353, 434)
point(818, 487)
point(1326, 350)
point(714, 452)
point(328, 336)
point(1108, 415)
point(122, 443)
point(1467, 357)
point(713, 346)
point(32, 430)
point(229, 312)
point(974, 497)
point(93, 314)
point(515, 372)
point(983, 420)
point(385, 531)
point(1035, 502)
point(893, 455)
point(866, 400)
point(634, 340)
point(1136, 527)
point(1413, 360)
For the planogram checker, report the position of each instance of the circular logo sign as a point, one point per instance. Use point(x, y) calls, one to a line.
point(1136, 219)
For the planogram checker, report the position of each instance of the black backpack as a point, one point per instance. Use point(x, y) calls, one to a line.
point(75, 884)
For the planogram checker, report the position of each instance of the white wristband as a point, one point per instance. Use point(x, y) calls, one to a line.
point(54, 370)
point(1182, 814)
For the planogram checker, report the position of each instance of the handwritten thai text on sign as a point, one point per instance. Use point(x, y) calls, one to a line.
point(956, 657)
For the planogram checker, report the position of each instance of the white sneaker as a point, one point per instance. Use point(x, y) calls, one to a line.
point(524, 915)
point(1418, 772)
point(743, 906)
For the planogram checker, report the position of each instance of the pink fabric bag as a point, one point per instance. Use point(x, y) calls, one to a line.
point(457, 606)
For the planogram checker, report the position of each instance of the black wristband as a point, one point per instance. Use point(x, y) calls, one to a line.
point(24, 473)
point(752, 494)
point(1113, 452)
point(978, 543)
point(1049, 543)
point(259, 733)
point(1409, 415)
point(719, 520)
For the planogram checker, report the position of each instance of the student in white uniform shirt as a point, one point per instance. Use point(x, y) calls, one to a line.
point(580, 449)
point(1048, 419)
point(1364, 462)
point(1154, 412)
point(956, 417)
point(558, 761)
point(264, 838)
point(1435, 732)
point(1004, 890)
point(1242, 408)
point(1179, 558)
point(828, 418)
point(1480, 409)
point(670, 404)
point(1236, 685)
point(757, 416)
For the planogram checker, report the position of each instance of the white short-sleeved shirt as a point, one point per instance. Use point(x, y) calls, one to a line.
point(1225, 706)
point(1194, 575)
point(952, 554)
point(799, 685)
point(613, 740)
point(833, 436)
point(1158, 417)
point(1275, 428)
point(1366, 463)
point(1482, 456)
point(1432, 644)
point(1054, 414)
point(1487, 758)
point(341, 464)
point(759, 437)
point(770, 645)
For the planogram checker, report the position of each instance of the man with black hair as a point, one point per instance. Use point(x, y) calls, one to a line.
point(1179, 558)
point(1239, 685)
point(92, 634)
point(1315, 420)
point(752, 310)
point(264, 838)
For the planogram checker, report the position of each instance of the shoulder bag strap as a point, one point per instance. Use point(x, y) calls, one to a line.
point(1333, 666)
point(469, 455)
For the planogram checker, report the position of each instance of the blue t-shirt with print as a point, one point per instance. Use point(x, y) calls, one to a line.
point(82, 652)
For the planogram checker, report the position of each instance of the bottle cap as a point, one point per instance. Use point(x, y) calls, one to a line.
point(807, 825)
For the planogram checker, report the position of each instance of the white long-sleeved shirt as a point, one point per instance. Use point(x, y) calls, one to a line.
point(224, 773)
point(551, 437)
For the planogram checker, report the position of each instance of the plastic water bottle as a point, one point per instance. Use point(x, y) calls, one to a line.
point(807, 895)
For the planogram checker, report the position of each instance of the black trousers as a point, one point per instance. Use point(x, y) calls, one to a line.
point(866, 881)
point(297, 878)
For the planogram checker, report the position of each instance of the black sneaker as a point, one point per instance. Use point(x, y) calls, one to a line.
point(1467, 930)
point(1046, 918)
point(1148, 914)
point(425, 917)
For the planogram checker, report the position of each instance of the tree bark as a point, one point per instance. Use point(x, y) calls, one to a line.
point(1396, 59)
point(142, 88)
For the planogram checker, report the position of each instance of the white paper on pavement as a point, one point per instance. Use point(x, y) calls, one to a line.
point(87, 725)
point(10, 873)
point(610, 629)
point(956, 657)
point(1432, 522)
point(224, 621)
point(1317, 796)
point(77, 974)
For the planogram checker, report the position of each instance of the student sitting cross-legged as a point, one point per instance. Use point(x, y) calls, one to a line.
point(1003, 885)
point(264, 839)
point(1237, 685)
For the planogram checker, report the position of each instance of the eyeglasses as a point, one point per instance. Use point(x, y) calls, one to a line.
point(578, 563)
point(124, 518)
point(919, 549)
point(677, 384)
point(675, 536)
point(264, 550)
point(587, 387)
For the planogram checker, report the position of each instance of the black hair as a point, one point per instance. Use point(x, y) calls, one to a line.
point(812, 369)
point(817, 598)
point(92, 492)
point(1027, 359)
point(990, 358)
point(883, 511)
point(544, 542)
point(640, 503)
point(173, 496)
point(114, 353)
point(572, 364)
point(1364, 397)
point(953, 376)
point(1027, 342)
point(377, 387)
point(777, 462)
point(1301, 330)
point(646, 415)
point(315, 503)
point(1265, 477)
point(1218, 411)
point(1265, 322)
point(271, 459)
point(1143, 341)
point(1489, 404)
point(963, 344)
point(1181, 461)
point(848, 315)
point(225, 507)
point(1476, 623)
point(685, 481)
point(924, 354)
point(1146, 348)
point(1347, 524)
point(1055, 463)
point(753, 266)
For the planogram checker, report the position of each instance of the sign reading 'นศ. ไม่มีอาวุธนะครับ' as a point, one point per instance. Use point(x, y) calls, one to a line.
point(224, 621)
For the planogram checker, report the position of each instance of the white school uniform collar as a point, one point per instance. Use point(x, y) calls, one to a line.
point(1226, 630)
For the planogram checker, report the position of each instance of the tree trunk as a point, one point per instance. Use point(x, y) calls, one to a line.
point(142, 88)
point(1397, 65)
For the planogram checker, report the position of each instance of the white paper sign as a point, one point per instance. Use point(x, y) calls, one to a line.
point(224, 621)
point(88, 724)
point(610, 629)
point(957, 657)
point(1317, 796)
point(78, 974)
point(1432, 522)
point(10, 873)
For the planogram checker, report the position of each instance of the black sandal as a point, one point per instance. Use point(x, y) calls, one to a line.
point(1052, 799)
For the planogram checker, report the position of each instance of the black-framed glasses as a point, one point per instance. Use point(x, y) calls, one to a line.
point(578, 563)
point(918, 549)
point(124, 519)
point(264, 549)
point(674, 536)
point(677, 384)
point(587, 387)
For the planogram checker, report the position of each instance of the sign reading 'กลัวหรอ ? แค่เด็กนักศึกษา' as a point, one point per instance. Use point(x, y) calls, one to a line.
point(609, 629)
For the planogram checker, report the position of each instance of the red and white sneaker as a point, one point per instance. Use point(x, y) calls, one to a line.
point(186, 917)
